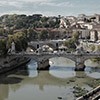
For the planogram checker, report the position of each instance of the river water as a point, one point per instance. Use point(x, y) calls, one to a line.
point(26, 83)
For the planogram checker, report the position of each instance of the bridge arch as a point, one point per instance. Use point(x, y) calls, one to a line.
point(31, 47)
point(46, 59)
point(91, 64)
point(90, 59)
point(50, 45)
point(61, 61)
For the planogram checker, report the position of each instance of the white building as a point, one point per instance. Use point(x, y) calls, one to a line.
point(97, 16)
point(71, 19)
point(63, 23)
point(88, 25)
point(93, 35)
point(85, 33)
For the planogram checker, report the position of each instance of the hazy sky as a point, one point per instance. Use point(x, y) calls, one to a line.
point(50, 7)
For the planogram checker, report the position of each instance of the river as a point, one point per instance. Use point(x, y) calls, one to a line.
point(26, 83)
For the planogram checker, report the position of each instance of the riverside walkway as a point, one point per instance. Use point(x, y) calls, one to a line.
point(92, 95)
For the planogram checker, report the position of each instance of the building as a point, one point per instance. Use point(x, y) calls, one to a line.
point(71, 19)
point(93, 35)
point(64, 23)
point(97, 18)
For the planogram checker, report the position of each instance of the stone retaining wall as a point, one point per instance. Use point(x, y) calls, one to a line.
point(92, 95)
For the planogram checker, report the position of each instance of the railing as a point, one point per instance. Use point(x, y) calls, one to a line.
point(59, 53)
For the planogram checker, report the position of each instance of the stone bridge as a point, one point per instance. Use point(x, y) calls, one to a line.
point(43, 58)
point(54, 44)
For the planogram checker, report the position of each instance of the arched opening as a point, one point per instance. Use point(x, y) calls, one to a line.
point(61, 67)
point(57, 46)
point(30, 49)
point(51, 45)
point(47, 48)
point(61, 61)
point(92, 69)
point(32, 68)
point(38, 46)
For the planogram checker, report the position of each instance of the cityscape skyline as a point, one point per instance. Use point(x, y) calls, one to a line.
point(50, 7)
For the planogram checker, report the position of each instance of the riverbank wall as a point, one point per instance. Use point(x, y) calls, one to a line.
point(92, 95)
point(10, 63)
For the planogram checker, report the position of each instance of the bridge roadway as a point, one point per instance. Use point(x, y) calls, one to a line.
point(78, 58)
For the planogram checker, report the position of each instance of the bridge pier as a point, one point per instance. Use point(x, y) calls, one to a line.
point(43, 64)
point(79, 64)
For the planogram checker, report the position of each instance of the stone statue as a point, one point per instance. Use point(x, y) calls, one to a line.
point(12, 47)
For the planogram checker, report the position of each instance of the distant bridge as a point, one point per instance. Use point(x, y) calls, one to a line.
point(54, 44)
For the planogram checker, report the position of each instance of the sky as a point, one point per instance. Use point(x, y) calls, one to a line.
point(50, 7)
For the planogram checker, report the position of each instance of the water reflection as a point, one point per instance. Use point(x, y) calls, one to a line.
point(43, 87)
point(92, 69)
point(93, 72)
point(62, 67)
point(32, 66)
point(62, 72)
point(26, 83)
point(4, 90)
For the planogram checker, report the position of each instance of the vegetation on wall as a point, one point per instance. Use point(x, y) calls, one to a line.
point(71, 43)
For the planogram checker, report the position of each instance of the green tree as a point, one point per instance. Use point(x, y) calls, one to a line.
point(32, 35)
point(44, 19)
point(75, 36)
point(20, 40)
point(43, 35)
point(9, 41)
point(2, 31)
point(92, 47)
point(3, 48)
point(70, 43)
